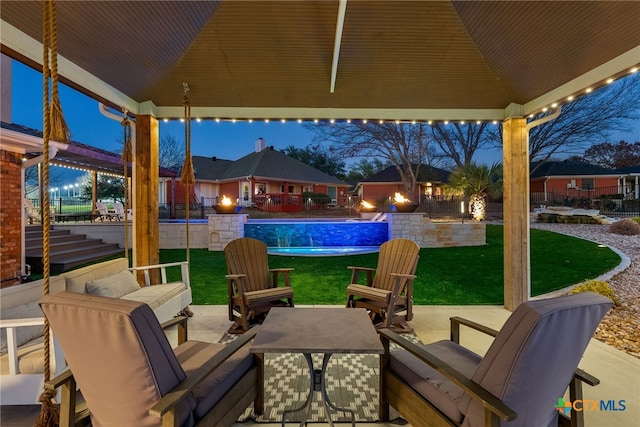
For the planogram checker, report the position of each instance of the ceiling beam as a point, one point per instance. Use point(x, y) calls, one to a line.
point(342, 8)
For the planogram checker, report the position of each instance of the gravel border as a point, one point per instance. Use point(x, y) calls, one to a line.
point(621, 326)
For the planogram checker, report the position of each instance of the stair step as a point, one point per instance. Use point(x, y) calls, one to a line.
point(65, 245)
point(66, 250)
point(53, 240)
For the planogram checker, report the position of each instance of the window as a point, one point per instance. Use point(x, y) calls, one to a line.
point(587, 183)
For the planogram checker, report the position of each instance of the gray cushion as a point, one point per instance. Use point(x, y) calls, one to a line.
point(117, 342)
point(192, 356)
point(156, 295)
point(115, 286)
point(531, 361)
point(428, 382)
point(24, 334)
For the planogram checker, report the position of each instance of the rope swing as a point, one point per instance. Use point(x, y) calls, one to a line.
point(187, 177)
point(53, 127)
point(127, 157)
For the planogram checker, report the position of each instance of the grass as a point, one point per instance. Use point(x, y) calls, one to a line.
point(456, 276)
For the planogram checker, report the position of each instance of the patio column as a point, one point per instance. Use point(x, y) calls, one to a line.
point(146, 230)
point(517, 277)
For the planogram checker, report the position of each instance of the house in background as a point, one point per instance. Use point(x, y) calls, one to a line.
point(387, 182)
point(265, 178)
point(572, 180)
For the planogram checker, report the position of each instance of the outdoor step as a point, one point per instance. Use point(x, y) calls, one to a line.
point(56, 246)
point(37, 234)
point(59, 263)
point(34, 242)
point(66, 250)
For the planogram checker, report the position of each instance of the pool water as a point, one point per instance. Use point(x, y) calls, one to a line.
point(323, 250)
point(312, 234)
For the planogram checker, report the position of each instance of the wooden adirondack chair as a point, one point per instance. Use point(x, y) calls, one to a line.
point(253, 287)
point(388, 293)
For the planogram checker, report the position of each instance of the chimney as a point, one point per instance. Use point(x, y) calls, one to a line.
point(261, 144)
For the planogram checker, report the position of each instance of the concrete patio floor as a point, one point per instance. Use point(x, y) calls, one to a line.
point(618, 372)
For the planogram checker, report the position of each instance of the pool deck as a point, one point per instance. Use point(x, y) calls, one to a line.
point(618, 372)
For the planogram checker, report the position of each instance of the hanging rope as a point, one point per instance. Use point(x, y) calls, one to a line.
point(187, 178)
point(127, 157)
point(53, 127)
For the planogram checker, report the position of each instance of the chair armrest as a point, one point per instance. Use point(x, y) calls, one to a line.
point(181, 322)
point(455, 328)
point(171, 400)
point(184, 272)
point(12, 346)
point(285, 274)
point(355, 271)
point(67, 383)
point(473, 389)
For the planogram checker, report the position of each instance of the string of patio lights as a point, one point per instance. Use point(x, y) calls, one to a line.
point(546, 109)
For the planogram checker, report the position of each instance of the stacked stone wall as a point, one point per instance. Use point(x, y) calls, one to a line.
point(429, 234)
point(224, 228)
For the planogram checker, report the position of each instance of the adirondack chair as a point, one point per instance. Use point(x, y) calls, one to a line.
point(118, 210)
point(33, 213)
point(517, 383)
point(388, 292)
point(129, 375)
point(104, 212)
point(253, 287)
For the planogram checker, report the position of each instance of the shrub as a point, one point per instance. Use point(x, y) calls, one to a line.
point(626, 227)
point(599, 287)
point(636, 219)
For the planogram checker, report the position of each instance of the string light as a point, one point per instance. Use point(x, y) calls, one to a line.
point(544, 109)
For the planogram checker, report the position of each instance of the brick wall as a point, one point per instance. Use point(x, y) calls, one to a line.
point(10, 217)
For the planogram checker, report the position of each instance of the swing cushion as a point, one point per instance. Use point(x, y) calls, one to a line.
point(158, 295)
point(115, 286)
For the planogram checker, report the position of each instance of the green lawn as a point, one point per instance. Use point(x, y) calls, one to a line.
point(470, 275)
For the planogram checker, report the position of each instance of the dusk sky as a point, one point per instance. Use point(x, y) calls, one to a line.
point(224, 140)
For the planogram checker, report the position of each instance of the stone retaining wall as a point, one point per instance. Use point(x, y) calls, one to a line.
point(429, 234)
point(221, 229)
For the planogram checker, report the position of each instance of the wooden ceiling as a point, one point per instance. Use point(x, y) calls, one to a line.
point(396, 59)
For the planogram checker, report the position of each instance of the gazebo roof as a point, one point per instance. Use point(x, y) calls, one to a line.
point(310, 59)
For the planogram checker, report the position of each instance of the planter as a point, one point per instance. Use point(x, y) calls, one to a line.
point(227, 209)
point(404, 207)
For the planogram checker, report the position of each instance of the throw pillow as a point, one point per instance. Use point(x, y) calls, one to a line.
point(24, 334)
point(114, 286)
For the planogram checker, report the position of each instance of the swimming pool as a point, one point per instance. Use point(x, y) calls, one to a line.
point(278, 233)
point(323, 251)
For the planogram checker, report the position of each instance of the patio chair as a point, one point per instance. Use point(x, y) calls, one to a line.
point(253, 287)
point(118, 211)
point(519, 382)
point(121, 360)
point(388, 292)
point(32, 212)
point(104, 213)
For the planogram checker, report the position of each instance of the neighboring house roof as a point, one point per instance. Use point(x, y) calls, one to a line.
point(267, 164)
point(631, 170)
point(566, 168)
point(209, 168)
point(426, 173)
point(82, 156)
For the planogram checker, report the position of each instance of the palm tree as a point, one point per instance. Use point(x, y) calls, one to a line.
point(475, 182)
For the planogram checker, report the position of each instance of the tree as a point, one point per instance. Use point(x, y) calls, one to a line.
point(587, 120)
point(459, 142)
point(317, 157)
point(612, 155)
point(171, 152)
point(402, 145)
point(475, 181)
point(365, 168)
point(108, 187)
